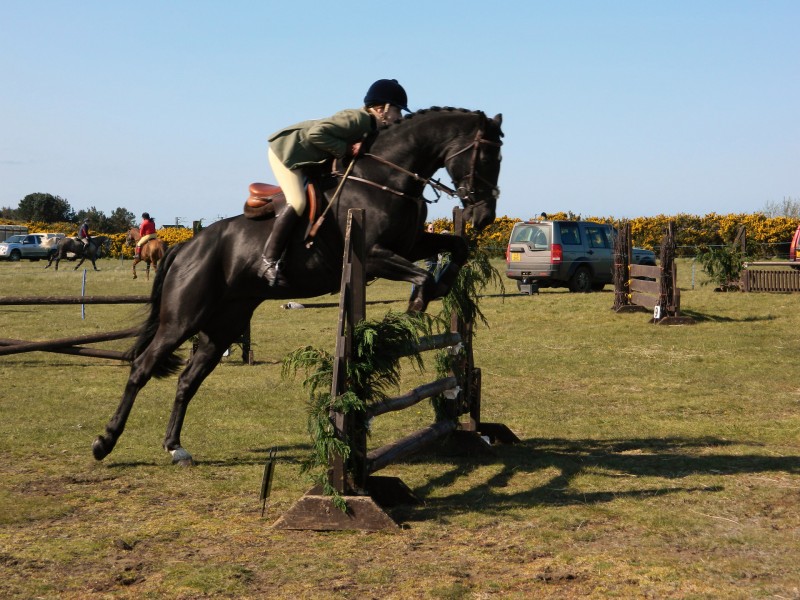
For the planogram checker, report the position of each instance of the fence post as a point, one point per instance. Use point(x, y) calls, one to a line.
point(352, 309)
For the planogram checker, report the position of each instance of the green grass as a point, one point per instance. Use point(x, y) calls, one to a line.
point(655, 461)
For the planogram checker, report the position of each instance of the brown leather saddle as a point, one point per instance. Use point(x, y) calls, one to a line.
point(267, 199)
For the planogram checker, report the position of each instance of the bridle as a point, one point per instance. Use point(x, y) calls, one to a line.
point(464, 192)
point(468, 192)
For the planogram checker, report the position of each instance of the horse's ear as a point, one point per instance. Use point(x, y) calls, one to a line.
point(498, 118)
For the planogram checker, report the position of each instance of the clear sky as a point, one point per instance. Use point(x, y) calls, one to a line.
point(617, 108)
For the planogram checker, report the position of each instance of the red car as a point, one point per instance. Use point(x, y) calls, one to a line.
point(794, 248)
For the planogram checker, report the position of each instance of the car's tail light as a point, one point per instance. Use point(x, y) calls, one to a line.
point(508, 253)
point(556, 253)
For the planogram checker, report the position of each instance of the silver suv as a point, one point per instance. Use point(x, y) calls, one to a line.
point(29, 246)
point(573, 254)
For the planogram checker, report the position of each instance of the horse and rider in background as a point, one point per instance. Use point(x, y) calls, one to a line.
point(93, 248)
point(148, 247)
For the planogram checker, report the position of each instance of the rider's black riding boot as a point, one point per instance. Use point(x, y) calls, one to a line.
point(271, 258)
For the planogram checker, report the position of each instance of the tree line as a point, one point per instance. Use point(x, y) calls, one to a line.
point(47, 208)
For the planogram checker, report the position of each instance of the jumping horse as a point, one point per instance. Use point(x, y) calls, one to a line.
point(98, 246)
point(151, 253)
point(208, 287)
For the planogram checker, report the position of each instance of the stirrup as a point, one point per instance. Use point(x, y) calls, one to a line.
point(269, 270)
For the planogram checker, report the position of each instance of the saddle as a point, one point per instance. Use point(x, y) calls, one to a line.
point(266, 200)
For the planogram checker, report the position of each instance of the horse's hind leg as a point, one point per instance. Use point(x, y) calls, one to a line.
point(215, 338)
point(160, 348)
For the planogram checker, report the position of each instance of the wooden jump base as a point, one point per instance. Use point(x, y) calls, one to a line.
point(774, 278)
point(643, 288)
point(364, 493)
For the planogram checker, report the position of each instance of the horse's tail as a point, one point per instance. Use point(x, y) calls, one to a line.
point(172, 363)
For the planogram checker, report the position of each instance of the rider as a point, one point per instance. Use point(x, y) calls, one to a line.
point(83, 234)
point(312, 143)
point(147, 232)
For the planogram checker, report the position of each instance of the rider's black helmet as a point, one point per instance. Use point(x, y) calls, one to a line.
point(386, 91)
point(145, 215)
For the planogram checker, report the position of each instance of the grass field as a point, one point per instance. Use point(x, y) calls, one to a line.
point(655, 462)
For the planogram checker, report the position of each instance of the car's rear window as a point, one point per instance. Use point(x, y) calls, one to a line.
point(533, 235)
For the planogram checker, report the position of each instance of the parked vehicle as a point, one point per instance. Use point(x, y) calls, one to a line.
point(573, 254)
point(794, 249)
point(28, 246)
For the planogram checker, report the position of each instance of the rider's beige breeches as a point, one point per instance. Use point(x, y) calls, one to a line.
point(291, 181)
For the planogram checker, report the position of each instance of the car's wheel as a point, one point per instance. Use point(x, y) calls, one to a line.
point(15, 255)
point(581, 282)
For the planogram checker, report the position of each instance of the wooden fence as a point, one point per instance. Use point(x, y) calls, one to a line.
point(770, 277)
point(366, 494)
point(74, 345)
point(648, 288)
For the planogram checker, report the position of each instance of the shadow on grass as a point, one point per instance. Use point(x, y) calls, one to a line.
point(293, 454)
point(621, 461)
point(698, 316)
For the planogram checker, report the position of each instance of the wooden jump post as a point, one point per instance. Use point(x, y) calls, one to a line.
point(364, 493)
point(646, 288)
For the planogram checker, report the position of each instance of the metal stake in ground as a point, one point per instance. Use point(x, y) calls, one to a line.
point(266, 482)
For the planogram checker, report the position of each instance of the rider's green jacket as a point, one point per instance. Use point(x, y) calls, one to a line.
point(313, 142)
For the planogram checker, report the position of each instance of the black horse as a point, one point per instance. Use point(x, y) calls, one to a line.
point(98, 246)
point(209, 286)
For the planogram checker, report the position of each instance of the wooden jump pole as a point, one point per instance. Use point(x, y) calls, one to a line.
point(37, 300)
point(49, 345)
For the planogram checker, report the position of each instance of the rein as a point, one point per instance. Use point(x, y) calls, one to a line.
point(466, 192)
point(463, 192)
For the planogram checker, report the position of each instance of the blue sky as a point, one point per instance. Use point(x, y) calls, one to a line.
point(610, 108)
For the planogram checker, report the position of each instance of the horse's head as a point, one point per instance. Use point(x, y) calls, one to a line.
point(103, 245)
point(475, 169)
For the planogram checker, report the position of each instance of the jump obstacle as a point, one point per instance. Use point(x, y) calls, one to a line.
point(770, 277)
point(646, 288)
point(365, 494)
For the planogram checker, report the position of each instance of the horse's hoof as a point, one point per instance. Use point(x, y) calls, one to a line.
point(99, 448)
point(181, 458)
point(416, 306)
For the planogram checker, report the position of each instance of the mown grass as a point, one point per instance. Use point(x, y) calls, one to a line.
point(655, 461)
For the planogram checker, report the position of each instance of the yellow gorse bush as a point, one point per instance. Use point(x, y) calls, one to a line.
point(766, 236)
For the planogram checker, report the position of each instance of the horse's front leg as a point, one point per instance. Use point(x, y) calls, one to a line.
point(431, 245)
point(382, 262)
point(80, 262)
point(133, 266)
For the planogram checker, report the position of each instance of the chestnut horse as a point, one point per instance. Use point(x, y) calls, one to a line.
point(152, 252)
point(209, 286)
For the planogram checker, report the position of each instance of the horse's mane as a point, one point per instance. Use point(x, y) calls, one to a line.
point(428, 111)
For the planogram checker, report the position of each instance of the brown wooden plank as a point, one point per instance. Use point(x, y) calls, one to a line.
point(645, 271)
point(646, 287)
point(644, 300)
point(385, 455)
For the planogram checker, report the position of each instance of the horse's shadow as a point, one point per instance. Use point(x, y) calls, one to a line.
point(559, 462)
